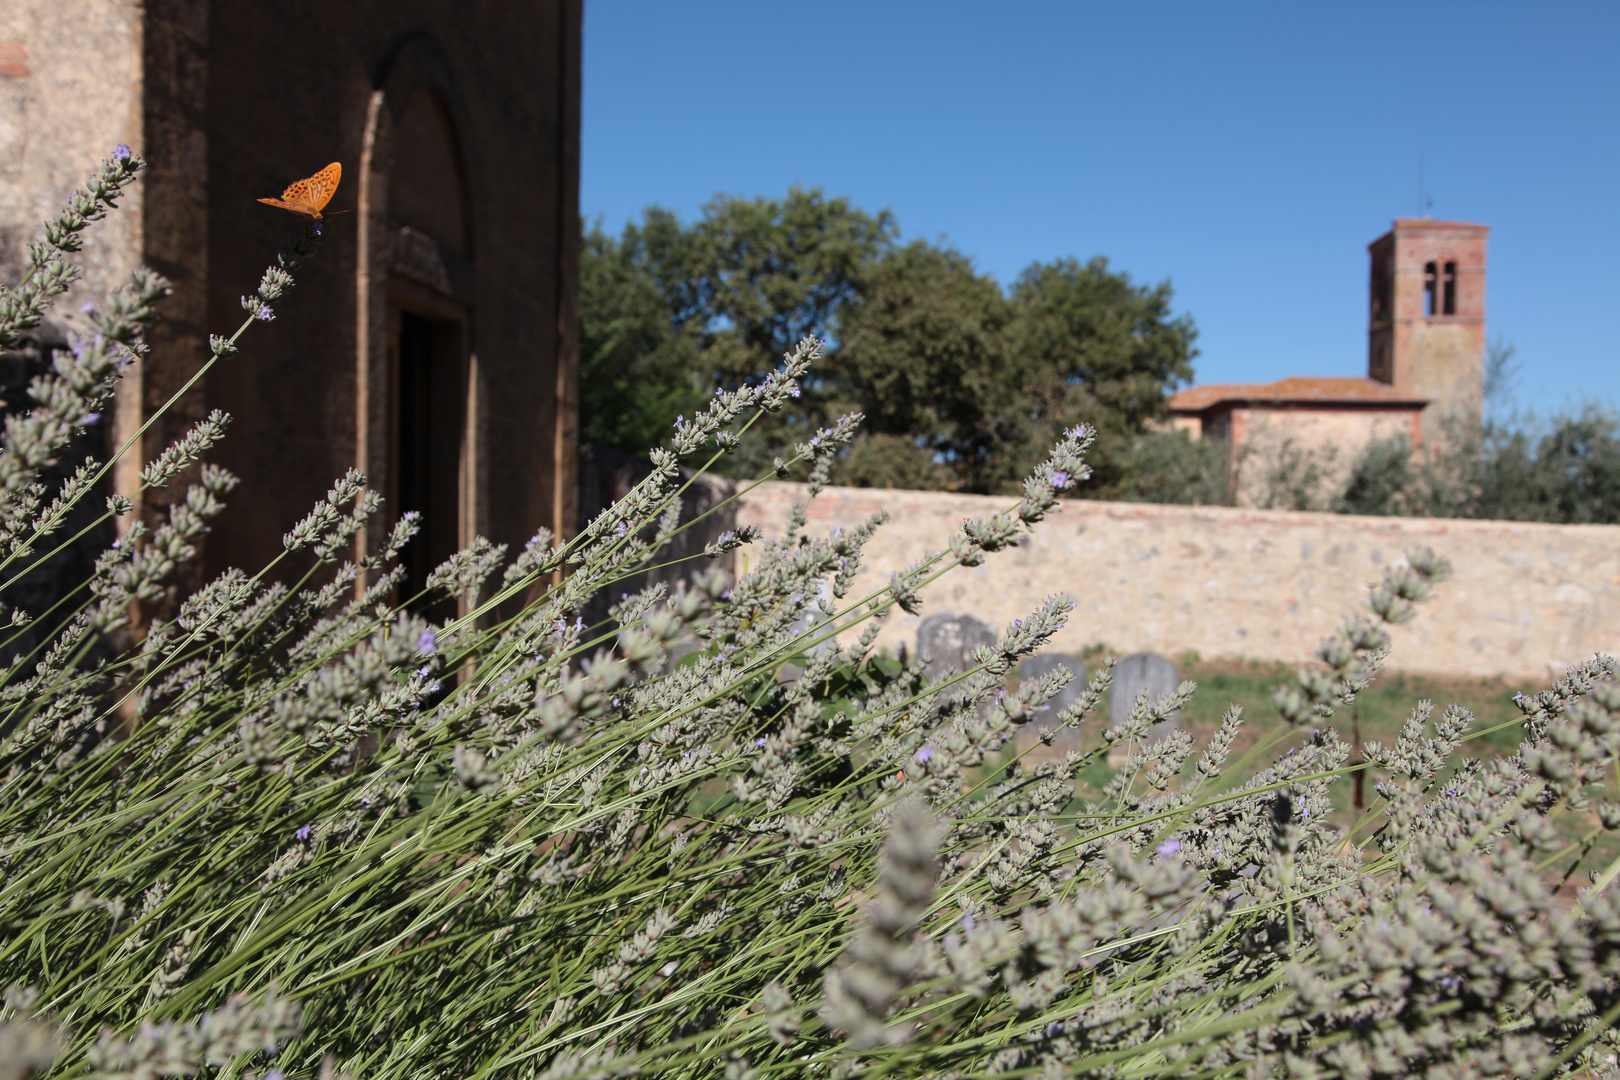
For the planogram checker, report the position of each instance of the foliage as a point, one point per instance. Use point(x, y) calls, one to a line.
point(338, 836)
point(636, 368)
point(960, 381)
point(924, 354)
point(1564, 470)
point(668, 311)
point(1171, 467)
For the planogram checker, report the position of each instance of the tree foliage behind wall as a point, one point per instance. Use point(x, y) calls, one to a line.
point(960, 380)
point(1564, 469)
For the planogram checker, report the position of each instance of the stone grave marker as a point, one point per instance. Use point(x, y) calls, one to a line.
point(1038, 667)
point(949, 640)
point(1134, 674)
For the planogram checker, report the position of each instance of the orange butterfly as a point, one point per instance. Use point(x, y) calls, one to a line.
point(309, 197)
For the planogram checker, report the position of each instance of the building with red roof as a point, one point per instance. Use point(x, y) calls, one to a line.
point(1425, 364)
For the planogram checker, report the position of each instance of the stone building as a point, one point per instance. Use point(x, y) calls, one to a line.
point(431, 342)
point(1425, 362)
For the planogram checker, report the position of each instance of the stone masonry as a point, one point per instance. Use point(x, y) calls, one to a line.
point(432, 342)
point(1526, 600)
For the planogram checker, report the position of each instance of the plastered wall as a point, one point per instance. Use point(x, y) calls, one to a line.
point(1525, 601)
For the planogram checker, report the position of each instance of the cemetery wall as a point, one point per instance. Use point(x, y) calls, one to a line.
point(1525, 601)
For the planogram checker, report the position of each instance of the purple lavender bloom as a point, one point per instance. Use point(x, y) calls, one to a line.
point(968, 922)
point(315, 227)
point(621, 530)
point(760, 741)
point(121, 152)
point(426, 642)
point(264, 314)
point(1060, 479)
point(92, 418)
point(925, 753)
point(305, 832)
point(1169, 847)
point(87, 307)
point(793, 391)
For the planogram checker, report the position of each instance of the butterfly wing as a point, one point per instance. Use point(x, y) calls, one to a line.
point(323, 185)
point(310, 196)
point(284, 205)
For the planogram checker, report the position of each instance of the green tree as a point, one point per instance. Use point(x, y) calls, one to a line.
point(960, 381)
point(925, 355)
point(1160, 466)
point(1095, 346)
point(941, 358)
point(668, 309)
point(638, 355)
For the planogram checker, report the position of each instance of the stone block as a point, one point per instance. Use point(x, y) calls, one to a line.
point(1039, 667)
point(947, 640)
point(1136, 673)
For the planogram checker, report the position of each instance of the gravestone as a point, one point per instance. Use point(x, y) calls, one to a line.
point(1039, 667)
point(815, 613)
point(948, 641)
point(1134, 674)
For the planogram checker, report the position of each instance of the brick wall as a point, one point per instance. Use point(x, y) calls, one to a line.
point(1526, 600)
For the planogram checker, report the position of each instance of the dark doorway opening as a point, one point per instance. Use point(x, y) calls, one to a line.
point(430, 412)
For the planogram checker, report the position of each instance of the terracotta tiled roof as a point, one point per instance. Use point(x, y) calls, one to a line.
point(1300, 389)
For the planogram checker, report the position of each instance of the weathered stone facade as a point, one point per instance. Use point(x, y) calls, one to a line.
point(432, 341)
point(1525, 601)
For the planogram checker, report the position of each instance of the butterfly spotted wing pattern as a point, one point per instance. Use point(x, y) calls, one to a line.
point(309, 197)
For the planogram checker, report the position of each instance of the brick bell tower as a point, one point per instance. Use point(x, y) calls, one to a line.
point(1426, 319)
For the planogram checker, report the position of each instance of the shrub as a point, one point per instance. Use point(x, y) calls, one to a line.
point(338, 836)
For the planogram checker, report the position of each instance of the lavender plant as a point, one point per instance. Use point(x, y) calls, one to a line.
point(339, 837)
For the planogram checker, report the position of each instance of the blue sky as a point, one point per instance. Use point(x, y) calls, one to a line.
point(1246, 152)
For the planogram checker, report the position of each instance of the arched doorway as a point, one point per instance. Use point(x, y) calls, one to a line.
point(431, 371)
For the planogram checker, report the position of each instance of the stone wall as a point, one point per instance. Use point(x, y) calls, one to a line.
point(69, 94)
point(1526, 600)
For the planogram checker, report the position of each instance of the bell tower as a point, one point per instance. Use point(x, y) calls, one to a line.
point(1426, 316)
